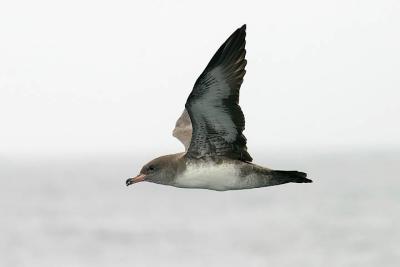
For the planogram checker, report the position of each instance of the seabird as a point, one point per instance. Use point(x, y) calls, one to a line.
point(211, 129)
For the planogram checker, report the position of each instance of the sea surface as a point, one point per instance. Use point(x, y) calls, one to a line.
point(77, 211)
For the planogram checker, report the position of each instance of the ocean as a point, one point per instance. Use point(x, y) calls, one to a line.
point(77, 211)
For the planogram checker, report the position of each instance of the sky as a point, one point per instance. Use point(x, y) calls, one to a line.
point(100, 76)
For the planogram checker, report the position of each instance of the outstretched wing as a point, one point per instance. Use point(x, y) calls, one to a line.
point(213, 105)
point(183, 129)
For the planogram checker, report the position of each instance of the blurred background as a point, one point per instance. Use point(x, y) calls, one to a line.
point(91, 90)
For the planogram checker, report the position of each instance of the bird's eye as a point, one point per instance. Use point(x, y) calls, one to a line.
point(151, 168)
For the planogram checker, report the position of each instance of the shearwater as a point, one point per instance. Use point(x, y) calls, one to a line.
point(211, 129)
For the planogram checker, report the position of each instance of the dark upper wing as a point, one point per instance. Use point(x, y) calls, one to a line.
point(213, 105)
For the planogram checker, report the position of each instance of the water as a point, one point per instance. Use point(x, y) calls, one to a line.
point(78, 212)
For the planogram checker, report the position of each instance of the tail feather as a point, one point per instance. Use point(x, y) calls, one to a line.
point(294, 176)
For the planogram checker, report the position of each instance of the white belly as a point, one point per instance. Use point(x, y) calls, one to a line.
point(210, 176)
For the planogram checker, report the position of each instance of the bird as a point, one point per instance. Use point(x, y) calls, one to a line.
point(211, 130)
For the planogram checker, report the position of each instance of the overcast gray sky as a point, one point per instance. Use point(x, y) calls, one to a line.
point(92, 76)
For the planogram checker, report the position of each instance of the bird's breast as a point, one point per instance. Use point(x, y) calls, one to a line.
point(212, 176)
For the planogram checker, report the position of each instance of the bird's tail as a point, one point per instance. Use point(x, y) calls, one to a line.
point(294, 176)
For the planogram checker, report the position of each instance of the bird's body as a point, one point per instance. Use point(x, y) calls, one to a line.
point(211, 175)
point(224, 175)
point(211, 129)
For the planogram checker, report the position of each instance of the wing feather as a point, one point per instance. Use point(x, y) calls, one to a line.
point(183, 129)
point(213, 105)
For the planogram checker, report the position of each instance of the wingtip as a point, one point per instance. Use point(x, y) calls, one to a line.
point(243, 28)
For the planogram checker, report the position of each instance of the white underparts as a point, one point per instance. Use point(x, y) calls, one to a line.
point(213, 176)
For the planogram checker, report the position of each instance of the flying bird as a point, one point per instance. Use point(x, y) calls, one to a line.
point(211, 129)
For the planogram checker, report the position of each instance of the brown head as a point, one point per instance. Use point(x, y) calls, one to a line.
point(162, 170)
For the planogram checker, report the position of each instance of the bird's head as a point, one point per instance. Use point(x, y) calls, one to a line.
point(161, 170)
